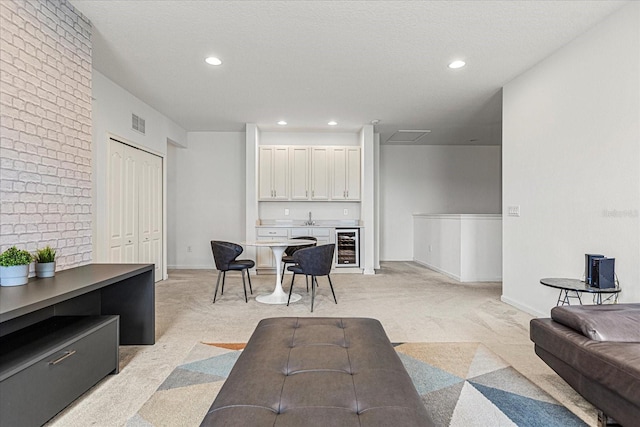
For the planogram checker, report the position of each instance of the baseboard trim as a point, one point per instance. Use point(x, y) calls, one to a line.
point(527, 309)
point(439, 270)
point(190, 267)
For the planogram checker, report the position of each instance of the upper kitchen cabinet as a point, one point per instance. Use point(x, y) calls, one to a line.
point(299, 166)
point(273, 173)
point(320, 173)
point(346, 173)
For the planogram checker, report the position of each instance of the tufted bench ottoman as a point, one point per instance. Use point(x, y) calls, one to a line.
point(318, 372)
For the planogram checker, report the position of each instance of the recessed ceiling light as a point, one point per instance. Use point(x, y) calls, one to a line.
point(282, 123)
point(212, 60)
point(332, 123)
point(457, 64)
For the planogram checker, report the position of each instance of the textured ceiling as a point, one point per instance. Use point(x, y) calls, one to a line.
point(308, 62)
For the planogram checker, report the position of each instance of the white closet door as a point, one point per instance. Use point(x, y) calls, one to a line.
point(123, 204)
point(150, 211)
point(135, 207)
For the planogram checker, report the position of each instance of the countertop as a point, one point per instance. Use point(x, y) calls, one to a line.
point(277, 223)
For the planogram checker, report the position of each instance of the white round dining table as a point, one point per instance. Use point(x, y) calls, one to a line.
point(278, 296)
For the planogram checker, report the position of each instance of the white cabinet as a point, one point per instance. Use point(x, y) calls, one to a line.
point(264, 256)
point(319, 173)
point(346, 173)
point(134, 198)
point(308, 173)
point(299, 166)
point(273, 173)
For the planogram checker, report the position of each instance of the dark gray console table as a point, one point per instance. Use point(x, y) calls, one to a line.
point(59, 336)
point(127, 290)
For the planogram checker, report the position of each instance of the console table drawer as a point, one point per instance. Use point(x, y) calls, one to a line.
point(48, 365)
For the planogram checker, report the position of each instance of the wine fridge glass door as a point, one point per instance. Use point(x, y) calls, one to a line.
point(347, 248)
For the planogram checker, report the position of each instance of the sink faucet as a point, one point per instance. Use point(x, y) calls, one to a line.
point(310, 221)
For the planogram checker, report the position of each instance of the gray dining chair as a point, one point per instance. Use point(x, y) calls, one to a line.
point(224, 255)
point(287, 258)
point(314, 262)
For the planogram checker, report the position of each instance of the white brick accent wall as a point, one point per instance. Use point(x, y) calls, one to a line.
point(45, 129)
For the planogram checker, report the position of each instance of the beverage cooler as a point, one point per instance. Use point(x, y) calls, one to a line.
point(347, 247)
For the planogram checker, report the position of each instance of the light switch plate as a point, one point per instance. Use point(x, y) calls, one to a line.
point(286, 212)
point(345, 211)
point(513, 210)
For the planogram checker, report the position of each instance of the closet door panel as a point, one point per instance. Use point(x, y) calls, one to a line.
point(135, 207)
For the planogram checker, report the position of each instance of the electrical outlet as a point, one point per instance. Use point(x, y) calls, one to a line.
point(286, 212)
point(513, 211)
point(188, 248)
point(345, 211)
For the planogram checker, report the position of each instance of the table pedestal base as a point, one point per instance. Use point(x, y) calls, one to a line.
point(277, 298)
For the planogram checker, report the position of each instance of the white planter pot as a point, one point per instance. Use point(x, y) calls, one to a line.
point(45, 269)
point(14, 275)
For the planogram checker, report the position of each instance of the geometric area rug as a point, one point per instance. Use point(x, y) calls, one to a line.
point(461, 384)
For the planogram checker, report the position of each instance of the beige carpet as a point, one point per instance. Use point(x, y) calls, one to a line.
point(413, 304)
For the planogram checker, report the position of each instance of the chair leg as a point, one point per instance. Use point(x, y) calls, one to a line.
point(284, 265)
point(306, 279)
point(244, 286)
point(217, 283)
point(331, 285)
point(313, 291)
point(291, 289)
point(224, 276)
point(249, 277)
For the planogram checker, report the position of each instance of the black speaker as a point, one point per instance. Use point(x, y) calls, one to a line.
point(588, 267)
point(604, 273)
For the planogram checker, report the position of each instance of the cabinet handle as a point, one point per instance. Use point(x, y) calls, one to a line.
point(344, 193)
point(66, 354)
point(306, 193)
point(347, 193)
point(313, 193)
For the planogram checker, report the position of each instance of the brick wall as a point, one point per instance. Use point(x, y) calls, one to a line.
point(45, 129)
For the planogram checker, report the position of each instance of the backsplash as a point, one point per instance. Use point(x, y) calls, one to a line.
point(320, 211)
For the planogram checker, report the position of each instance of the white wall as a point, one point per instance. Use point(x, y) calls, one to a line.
point(432, 179)
point(112, 108)
point(309, 138)
point(208, 196)
point(571, 156)
point(466, 247)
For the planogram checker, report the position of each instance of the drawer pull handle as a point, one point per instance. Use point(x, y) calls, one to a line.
point(66, 354)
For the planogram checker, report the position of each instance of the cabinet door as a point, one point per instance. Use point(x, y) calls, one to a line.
point(264, 256)
point(280, 173)
point(339, 168)
point(353, 174)
point(319, 173)
point(299, 167)
point(265, 173)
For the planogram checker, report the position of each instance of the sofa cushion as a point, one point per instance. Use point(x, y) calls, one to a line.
point(611, 322)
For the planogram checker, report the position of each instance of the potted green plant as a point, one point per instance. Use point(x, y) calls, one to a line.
point(45, 262)
point(14, 267)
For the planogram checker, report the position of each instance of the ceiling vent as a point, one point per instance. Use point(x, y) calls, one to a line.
point(408, 136)
point(137, 123)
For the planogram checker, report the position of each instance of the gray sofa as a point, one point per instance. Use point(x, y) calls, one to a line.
point(596, 350)
point(318, 372)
